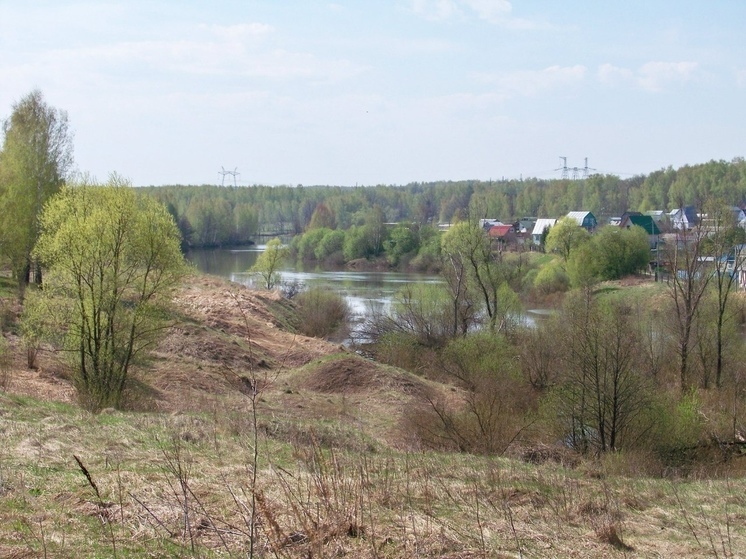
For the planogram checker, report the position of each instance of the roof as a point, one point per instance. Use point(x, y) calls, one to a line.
point(580, 216)
point(500, 230)
point(542, 224)
point(645, 221)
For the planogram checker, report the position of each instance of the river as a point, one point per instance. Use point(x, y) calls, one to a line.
point(363, 290)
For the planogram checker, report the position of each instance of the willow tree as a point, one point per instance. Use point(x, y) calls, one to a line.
point(35, 160)
point(112, 259)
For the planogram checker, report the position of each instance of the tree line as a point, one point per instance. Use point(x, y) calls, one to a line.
point(212, 216)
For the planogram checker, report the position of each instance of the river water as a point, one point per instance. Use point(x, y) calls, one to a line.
point(366, 292)
point(363, 290)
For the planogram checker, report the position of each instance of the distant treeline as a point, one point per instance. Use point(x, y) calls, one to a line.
point(213, 216)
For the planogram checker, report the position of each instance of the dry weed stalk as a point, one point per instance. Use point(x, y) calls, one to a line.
point(104, 509)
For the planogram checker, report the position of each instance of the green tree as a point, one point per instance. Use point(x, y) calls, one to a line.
point(565, 237)
point(34, 163)
point(112, 258)
point(322, 217)
point(269, 262)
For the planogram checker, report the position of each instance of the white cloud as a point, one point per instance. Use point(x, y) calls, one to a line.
point(651, 76)
point(497, 12)
point(533, 82)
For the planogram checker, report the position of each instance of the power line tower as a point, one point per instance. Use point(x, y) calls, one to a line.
point(234, 172)
point(586, 169)
point(564, 167)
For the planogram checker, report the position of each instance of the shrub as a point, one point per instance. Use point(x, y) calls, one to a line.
point(322, 313)
point(551, 278)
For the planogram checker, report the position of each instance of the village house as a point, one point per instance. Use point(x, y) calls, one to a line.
point(539, 228)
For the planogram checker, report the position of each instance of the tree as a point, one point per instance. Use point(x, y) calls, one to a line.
point(726, 245)
point(468, 244)
point(112, 258)
point(602, 397)
point(688, 283)
point(34, 163)
point(269, 262)
point(322, 217)
point(565, 237)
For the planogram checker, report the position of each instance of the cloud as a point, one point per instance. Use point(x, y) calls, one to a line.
point(651, 76)
point(496, 12)
point(532, 82)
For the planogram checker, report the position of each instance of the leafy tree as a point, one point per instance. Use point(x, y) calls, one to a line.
point(330, 246)
point(610, 254)
point(269, 262)
point(112, 259)
point(322, 217)
point(34, 163)
point(565, 237)
point(402, 240)
point(467, 244)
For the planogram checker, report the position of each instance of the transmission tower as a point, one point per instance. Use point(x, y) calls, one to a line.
point(564, 167)
point(586, 169)
point(234, 172)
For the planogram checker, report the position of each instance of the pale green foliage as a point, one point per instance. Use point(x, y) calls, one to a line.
point(565, 236)
point(423, 310)
point(34, 161)
point(610, 254)
point(269, 262)
point(112, 257)
point(476, 275)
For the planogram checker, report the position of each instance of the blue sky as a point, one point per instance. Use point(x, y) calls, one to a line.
point(381, 92)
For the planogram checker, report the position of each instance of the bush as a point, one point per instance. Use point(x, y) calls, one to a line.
point(552, 278)
point(322, 313)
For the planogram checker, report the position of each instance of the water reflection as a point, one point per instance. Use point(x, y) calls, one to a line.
point(362, 290)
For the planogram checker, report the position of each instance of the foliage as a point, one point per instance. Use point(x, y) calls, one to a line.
point(267, 266)
point(496, 403)
point(551, 278)
point(322, 217)
point(34, 163)
point(322, 313)
point(610, 254)
point(112, 257)
point(565, 237)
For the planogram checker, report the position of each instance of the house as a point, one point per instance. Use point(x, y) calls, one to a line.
point(684, 218)
point(584, 219)
point(539, 228)
point(502, 236)
point(736, 264)
point(526, 224)
point(647, 223)
point(487, 223)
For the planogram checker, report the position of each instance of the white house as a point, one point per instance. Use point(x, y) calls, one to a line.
point(539, 227)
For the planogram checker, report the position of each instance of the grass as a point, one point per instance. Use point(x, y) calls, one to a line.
point(178, 486)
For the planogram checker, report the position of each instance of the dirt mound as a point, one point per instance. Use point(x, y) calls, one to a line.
point(352, 374)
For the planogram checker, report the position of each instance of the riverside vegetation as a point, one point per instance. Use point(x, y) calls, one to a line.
point(149, 411)
point(241, 438)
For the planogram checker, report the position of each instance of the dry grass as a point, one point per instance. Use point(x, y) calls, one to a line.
point(335, 473)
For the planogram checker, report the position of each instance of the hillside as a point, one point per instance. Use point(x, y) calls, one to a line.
point(338, 472)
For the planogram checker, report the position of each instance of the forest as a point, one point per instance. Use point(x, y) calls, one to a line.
point(215, 216)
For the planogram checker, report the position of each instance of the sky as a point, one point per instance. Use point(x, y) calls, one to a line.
point(367, 92)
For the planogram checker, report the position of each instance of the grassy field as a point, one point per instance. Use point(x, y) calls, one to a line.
point(182, 485)
point(253, 441)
